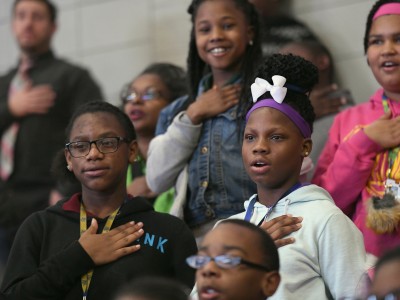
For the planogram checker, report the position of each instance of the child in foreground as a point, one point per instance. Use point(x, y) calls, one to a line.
point(327, 259)
point(359, 165)
point(236, 261)
point(89, 245)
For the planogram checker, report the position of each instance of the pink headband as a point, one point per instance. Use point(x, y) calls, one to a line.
point(287, 110)
point(387, 9)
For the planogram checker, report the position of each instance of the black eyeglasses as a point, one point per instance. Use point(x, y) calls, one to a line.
point(223, 261)
point(104, 145)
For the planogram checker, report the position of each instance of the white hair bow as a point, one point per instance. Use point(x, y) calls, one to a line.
point(277, 90)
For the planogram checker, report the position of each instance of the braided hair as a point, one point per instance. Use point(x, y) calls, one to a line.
point(371, 14)
point(197, 68)
point(299, 73)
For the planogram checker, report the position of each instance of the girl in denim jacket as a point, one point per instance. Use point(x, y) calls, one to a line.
point(198, 148)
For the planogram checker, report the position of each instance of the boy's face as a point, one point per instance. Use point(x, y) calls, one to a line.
point(383, 53)
point(273, 149)
point(387, 280)
point(240, 282)
point(98, 171)
point(32, 26)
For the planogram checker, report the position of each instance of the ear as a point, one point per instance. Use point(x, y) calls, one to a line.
point(54, 28)
point(306, 147)
point(323, 62)
point(68, 159)
point(270, 283)
point(250, 34)
point(133, 151)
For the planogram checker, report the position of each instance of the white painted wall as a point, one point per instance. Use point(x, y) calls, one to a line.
point(115, 39)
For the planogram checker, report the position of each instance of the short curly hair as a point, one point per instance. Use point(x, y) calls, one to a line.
point(371, 14)
point(58, 168)
point(298, 72)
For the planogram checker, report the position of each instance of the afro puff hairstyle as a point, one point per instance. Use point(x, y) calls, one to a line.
point(299, 73)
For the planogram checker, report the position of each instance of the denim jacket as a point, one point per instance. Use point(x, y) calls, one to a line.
point(218, 183)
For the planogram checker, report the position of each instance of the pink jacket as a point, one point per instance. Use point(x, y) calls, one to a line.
point(347, 168)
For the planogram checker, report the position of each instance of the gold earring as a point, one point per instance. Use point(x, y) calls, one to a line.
point(306, 153)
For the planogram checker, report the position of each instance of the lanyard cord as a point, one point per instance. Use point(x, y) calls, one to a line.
point(86, 278)
point(392, 154)
point(250, 208)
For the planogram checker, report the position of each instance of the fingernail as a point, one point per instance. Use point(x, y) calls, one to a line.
point(140, 231)
point(139, 224)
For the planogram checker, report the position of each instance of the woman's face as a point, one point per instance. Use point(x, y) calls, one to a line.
point(149, 96)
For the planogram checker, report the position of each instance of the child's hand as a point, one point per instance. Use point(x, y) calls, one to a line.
point(213, 102)
point(110, 246)
point(385, 131)
point(280, 227)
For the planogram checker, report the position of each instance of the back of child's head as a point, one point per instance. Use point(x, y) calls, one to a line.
point(315, 49)
point(153, 288)
point(264, 241)
point(197, 68)
point(174, 77)
point(370, 18)
point(386, 280)
point(301, 75)
point(387, 258)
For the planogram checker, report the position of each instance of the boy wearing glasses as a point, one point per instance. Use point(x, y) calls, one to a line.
point(236, 260)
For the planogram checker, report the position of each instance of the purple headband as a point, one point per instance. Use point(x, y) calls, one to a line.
point(286, 109)
point(387, 9)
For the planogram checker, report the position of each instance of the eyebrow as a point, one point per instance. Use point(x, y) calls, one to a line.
point(225, 248)
point(381, 35)
point(103, 135)
point(225, 18)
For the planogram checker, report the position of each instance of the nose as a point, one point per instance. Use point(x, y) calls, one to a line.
point(261, 146)
point(210, 269)
point(216, 34)
point(136, 101)
point(94, 152)
point(388, 48)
